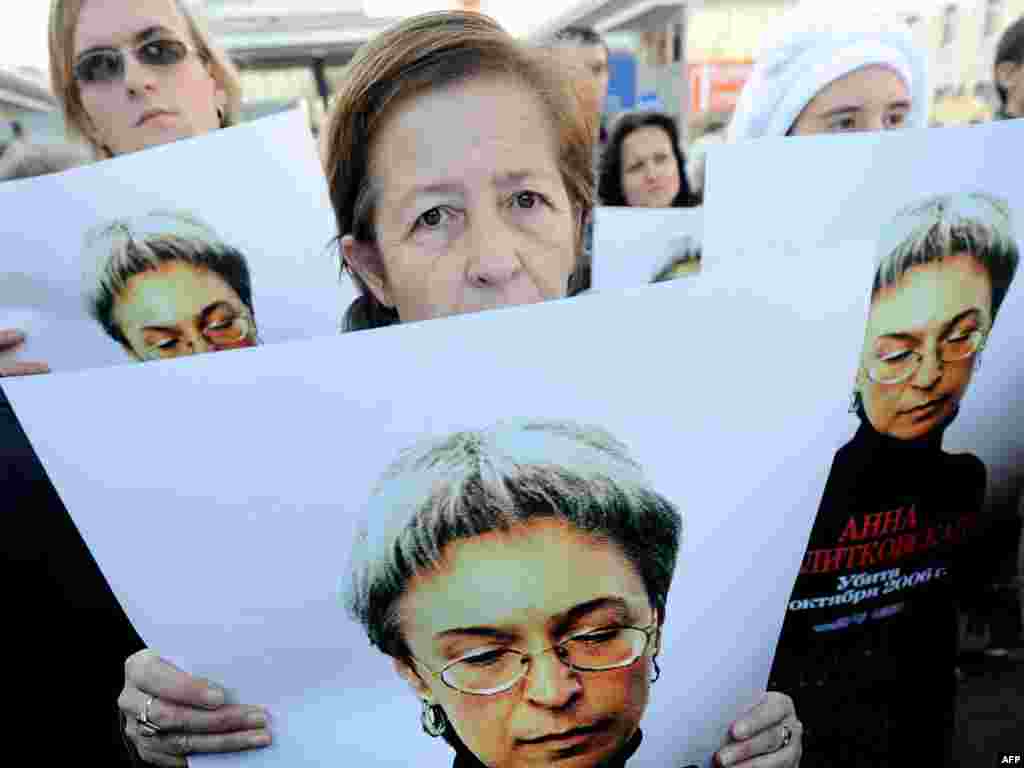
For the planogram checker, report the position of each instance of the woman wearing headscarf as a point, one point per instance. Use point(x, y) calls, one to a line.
point(430, 230)
point(815, 76)
point(128, 74)
point(869, 641)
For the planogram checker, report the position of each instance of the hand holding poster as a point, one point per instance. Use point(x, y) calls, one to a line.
point(147, 264)
point(484, 471)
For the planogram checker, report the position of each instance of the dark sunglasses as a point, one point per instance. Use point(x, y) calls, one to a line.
point(107, 65)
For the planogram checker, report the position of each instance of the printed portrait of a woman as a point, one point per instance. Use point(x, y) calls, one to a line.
point(870, 635)
point(166, 286)
point(517, 576)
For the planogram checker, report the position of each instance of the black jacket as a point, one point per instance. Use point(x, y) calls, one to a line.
point(869, 642)
point(65, 635)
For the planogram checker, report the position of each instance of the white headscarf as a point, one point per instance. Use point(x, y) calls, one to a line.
point(807, 53)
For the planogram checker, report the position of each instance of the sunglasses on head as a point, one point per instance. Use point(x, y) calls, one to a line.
point(107, 65)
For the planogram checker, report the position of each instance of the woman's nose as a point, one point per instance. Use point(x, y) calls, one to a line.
point(137, 76)
point(495, 260)
point(550, 682)
point(930, 370)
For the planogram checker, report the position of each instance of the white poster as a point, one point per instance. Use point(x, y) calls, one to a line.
point(931, 458)
point(636, 246)
point(206, 244)
point(256, 529)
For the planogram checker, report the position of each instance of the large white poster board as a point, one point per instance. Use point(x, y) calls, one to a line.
point(237, 228)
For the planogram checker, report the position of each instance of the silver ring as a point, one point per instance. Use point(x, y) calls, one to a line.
point(788, 737)
point(147, 727)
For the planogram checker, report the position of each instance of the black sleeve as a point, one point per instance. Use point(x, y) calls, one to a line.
point(65, 633)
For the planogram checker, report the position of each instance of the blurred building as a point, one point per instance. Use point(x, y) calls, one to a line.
point(290, 51)
point(961, 38)
point(690, 57)
point(26, 101)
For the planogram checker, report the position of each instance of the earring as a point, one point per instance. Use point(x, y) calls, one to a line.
point(433, 720)
point(220, 116)
point(977, 361)
point(853, 401)
point(657, 670)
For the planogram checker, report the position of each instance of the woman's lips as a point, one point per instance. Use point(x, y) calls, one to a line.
point(926, 409)
point(560, 738)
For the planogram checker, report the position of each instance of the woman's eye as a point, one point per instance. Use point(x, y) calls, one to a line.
point(599, 636)
point(844, 125)
point(220, 325)
point(166, 344)
point(484, 658)
point(431, 219)
point(896, 357)
point(527, 199)
point(896, 119)
point(163, 51)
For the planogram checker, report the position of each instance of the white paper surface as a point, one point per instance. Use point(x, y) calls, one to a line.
point(219, 492)
point(774, 201)
point(632, 245)
point(259, 186)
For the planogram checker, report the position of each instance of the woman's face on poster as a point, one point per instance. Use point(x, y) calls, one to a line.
point(923, 336)
point(178, 309)
point(528, 590)
point(471, 211)
point(161, 96)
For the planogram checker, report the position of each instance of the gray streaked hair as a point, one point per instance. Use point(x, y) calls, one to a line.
point(124, 248)
point(474, 482)
point(946, 225)
point(682, 250)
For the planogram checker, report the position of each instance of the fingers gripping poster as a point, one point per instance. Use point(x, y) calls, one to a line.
point(390, 560)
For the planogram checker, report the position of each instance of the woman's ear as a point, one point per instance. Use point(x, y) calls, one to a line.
point(364, 260)
point(1005, 72)
point(408, 672)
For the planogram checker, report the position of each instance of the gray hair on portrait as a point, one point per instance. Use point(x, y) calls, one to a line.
point(124, 248)
point(946, 225)
point(474, 482)
point(682, 250)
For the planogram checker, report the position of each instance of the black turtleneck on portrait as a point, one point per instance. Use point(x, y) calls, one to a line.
point(466, 759)
point(869, 642)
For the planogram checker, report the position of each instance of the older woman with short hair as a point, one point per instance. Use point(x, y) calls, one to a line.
point(587, 551)
point(870, 662)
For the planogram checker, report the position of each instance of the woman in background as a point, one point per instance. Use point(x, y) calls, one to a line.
point(816, 76)
point(643, 164)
